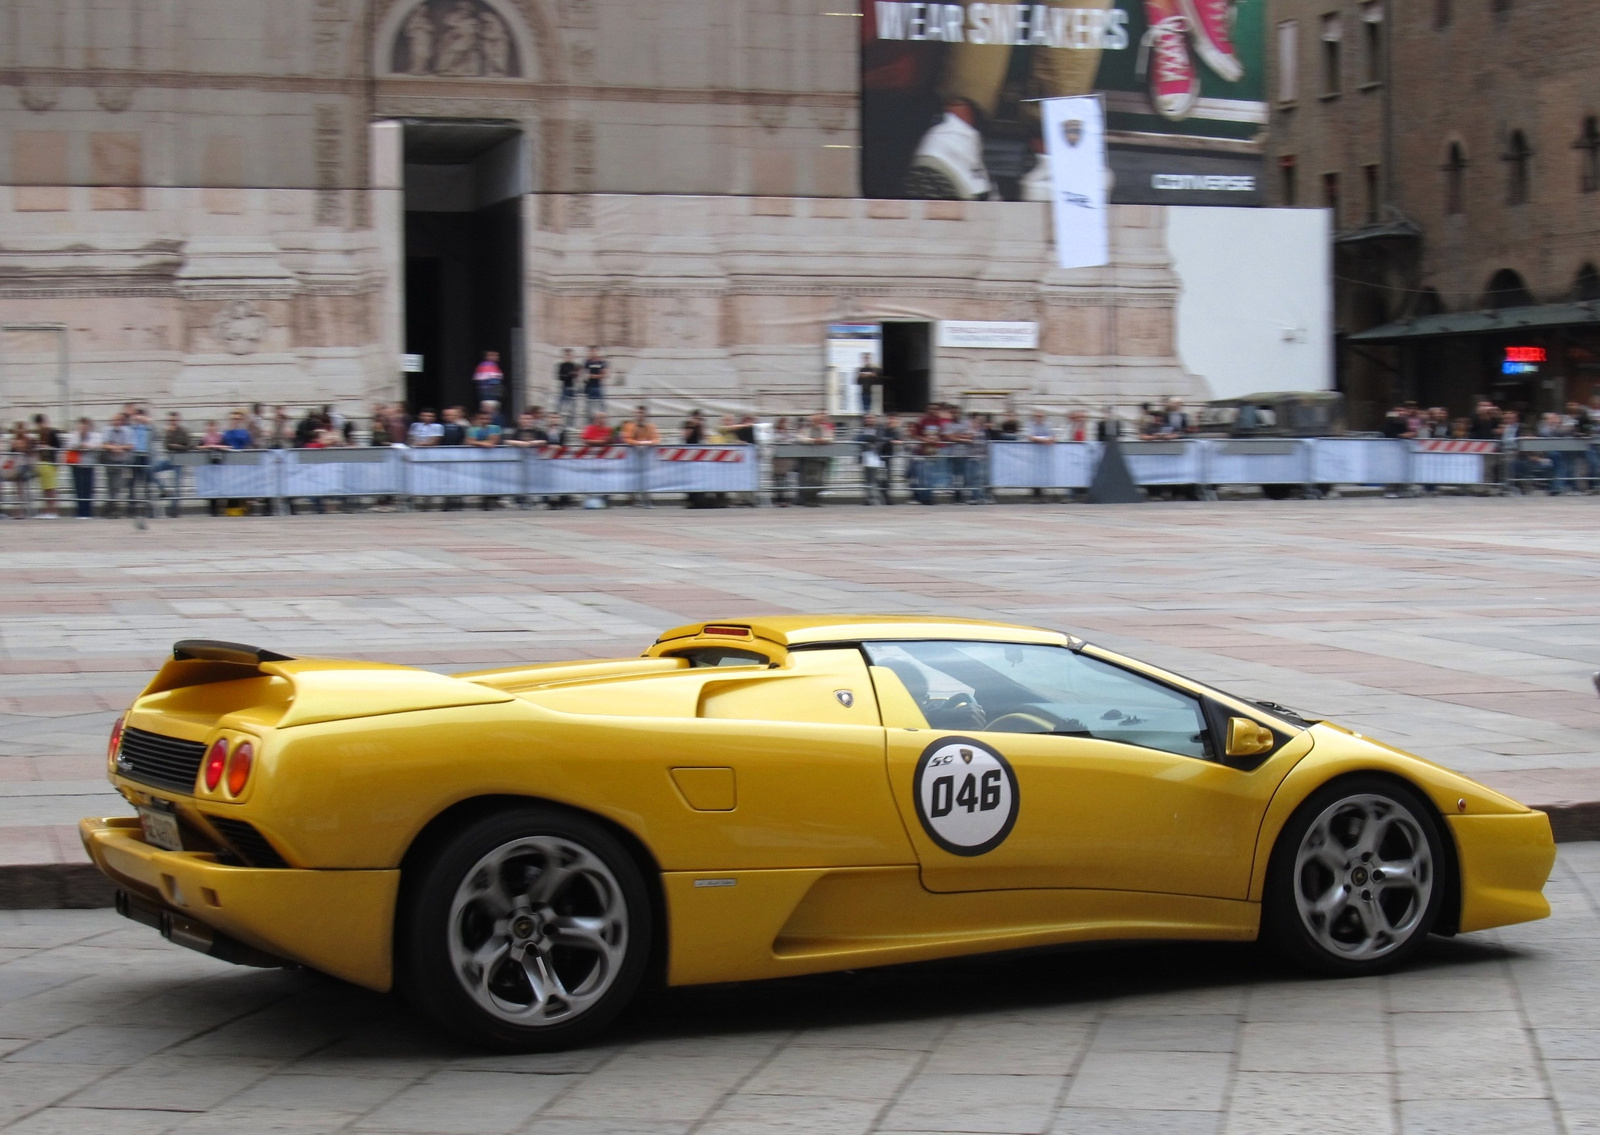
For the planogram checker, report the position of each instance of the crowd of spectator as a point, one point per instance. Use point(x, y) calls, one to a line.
point(118, 470)
point(1556, 471)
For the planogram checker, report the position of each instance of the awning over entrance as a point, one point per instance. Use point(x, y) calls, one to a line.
point(1482, 322)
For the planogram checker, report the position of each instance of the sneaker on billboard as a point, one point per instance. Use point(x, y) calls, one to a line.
point(1212, 24)
point(1036, 182)
point(1174, 82)
point(948, 164)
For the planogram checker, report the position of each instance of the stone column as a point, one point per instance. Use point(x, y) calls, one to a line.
point(388, 202)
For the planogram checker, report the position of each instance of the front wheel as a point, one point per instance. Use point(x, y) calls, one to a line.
point(1354, 885)
point(530, 930)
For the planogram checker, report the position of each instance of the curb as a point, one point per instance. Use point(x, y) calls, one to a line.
point(54, 886)
point(1574, 822)
point(81, 886)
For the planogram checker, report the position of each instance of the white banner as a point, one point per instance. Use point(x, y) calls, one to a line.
point(248, 474)
point(1075, 144)
point(463, 471)
point(991, 334)
point(1031, 465)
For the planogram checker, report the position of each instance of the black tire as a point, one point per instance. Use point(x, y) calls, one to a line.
point(565, 898)
point(1277, 492)
point(1340, 904)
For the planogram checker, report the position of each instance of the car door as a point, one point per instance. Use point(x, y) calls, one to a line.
point(1037, 766)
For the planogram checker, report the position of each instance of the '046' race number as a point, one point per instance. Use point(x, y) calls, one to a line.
point(966, 795)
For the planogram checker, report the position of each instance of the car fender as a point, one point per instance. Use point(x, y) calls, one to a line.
point(1338, 752)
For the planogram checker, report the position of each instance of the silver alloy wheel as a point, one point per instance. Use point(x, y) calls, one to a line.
point(1363, 877)
point(538, 931)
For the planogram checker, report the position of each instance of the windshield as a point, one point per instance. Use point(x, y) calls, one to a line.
point(1015, 688)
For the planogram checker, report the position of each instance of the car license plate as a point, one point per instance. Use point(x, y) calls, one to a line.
point(160, 825)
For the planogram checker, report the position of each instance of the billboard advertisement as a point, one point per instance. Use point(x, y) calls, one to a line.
point(950, 96)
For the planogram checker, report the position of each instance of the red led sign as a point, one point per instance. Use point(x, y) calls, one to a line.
point(1526, 355)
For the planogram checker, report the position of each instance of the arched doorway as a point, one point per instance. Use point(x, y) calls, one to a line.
point(1586, 285)
point(1507, 289)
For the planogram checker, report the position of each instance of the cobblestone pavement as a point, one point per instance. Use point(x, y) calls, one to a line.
point(1464, 629)
point(110, 1029)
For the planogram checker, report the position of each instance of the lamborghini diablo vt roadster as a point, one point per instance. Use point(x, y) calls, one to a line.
point(518, 849)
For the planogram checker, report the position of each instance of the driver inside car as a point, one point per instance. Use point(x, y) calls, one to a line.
point(958, 711)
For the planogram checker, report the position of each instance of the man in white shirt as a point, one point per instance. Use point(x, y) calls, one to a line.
point(426, 430)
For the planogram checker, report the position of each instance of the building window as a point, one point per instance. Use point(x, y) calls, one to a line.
point(1441, 14)
point(1371, 182)
point(1519, 156)
point(1455, 179)
point(1286, 171)
point(1289, 61)
point(1372, 40)
point(1332, 33)
point(1330, 195)
point(1588, 147)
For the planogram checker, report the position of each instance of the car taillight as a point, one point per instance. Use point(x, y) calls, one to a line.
point(114, 746)
point(216, 760)
point(244, 755)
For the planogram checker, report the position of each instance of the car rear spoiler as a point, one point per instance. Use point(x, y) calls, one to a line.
point(212, 650)
point(201, 661)
point(321, 689)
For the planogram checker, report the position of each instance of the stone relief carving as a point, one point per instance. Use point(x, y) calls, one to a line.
point(830, 119)
point(113, 99)
point(38, 96)
point(240, 326)
point(455, 38)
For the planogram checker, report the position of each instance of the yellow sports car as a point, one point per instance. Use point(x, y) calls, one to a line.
point(517, 850)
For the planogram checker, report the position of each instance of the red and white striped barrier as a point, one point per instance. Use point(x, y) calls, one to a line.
point(699, 453)
point(1455, 445)
point(584, 452)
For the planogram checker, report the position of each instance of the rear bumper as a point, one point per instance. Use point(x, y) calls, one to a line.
point(339, 922)
point(1505, 862)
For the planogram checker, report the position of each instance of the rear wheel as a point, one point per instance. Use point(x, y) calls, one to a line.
point(1354, 885)
point(530, 930)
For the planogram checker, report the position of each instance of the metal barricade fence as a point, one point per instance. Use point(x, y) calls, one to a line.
point(1165, 463)
point(1549, 464)
point(1441, 461)
point(1067, 465)
point(454, 472)
point(798, 472)
point(1277, 465)
point(319, 475)
point(801, 472)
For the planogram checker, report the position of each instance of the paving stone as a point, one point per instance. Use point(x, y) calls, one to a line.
point(465, 1103)
point(790, 1115)
point(1162, 1081)
point(94, 1121)
point(981, 1103)
point(1271, 1103)
point(1478, 1117)
point(842, 1073)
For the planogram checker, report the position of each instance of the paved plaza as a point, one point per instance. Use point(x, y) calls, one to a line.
point(1463, 629)
point(110, 1029)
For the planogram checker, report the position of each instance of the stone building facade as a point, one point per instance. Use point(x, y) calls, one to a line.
point(1458, 142)
point(208, 203)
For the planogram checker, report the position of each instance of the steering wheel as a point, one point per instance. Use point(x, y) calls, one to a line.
point(958, 711)
point(1020, 723)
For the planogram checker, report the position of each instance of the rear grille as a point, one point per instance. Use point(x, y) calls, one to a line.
point(251, 845)
point(165, 762)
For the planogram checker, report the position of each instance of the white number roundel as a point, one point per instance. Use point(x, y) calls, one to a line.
point(966, 795)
